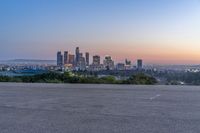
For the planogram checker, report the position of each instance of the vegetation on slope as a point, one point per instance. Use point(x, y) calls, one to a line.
point(69, 77)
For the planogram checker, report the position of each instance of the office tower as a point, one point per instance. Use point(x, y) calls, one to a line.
point(96, 66)
point(96, 60)
point(139, 64)
point(127, 62)
point(77, 54)
point(81, 63)
point(59, 58)
point(71, 59)
point(87, 58)
point(108, 63)
point(128, 65)
point(80, 55)
point(65, 57)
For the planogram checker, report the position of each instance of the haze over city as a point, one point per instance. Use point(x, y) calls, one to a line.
point(158, 31)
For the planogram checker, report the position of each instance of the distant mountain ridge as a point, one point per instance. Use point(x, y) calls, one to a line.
point(28, 61)
point(38, 60)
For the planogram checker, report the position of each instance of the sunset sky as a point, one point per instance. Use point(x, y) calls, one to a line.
point(158, 31)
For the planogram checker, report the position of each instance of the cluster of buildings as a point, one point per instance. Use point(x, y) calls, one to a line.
point(71, 61)
point(80, 61)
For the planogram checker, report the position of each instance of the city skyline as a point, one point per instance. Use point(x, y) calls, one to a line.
point(159, 32)
point(80, 60)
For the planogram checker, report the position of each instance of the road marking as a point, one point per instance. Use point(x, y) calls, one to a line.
point(152, 98)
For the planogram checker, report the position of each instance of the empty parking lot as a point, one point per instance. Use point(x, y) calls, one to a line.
point(67, 108)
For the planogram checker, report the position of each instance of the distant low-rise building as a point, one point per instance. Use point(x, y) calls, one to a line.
point(93, 67)
point(120, 66)
point(68, 67)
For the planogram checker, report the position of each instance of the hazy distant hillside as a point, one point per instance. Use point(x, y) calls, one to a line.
point(28, 61)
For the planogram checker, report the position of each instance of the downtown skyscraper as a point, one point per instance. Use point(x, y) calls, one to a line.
point(71, 61)
point(77, 54)
point(87, 59)
point(66, 57)
point(139, 64)
point(59, 58)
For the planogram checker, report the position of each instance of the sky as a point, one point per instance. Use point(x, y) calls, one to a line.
point(157, 31)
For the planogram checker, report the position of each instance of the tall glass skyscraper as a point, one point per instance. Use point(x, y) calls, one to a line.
point(87, 58)
point(59, 58)
point(77, 54)
point(66, 57)
point(139, 64)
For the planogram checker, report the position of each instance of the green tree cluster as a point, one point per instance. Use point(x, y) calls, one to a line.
point(141, 79)
point(69, 77)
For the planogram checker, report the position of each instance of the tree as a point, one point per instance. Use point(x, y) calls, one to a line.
point(141, 79)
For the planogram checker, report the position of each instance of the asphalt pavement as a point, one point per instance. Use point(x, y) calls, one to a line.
point(68, 108)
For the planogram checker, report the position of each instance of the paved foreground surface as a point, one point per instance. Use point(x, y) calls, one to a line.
point(59, 108)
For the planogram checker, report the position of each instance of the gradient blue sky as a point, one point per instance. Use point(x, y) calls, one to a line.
point(159, 31)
